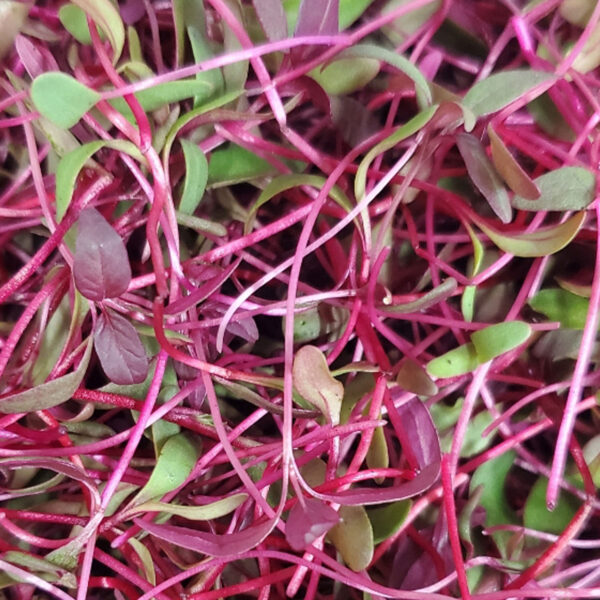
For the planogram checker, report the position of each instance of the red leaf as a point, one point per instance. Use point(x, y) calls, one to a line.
point(101, 265)
point(231, 544)
point(120, 350)
point(272, 18)
point(307, 523)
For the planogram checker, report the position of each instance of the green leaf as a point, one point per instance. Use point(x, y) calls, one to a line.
point(234, 164)
point(314, 382)
point(71, 164)
point(49, 394)
point(173, 466)
point(500, 338)
point(202, 51)
point(353, 537)
point(549, 119)
point(174, 91)
point(196, 176)
point(491, 476)
point(74, 20)
point(544, 241)
point(345, 75)
point(387, 520)
point(207, 512)
point(567, 188)
point(563, 306)
point(458, 361)
point(409, 128)
point(394, 59)
point(510, 170)
point(61, 98)
point(499, 90)
point(537, 516)
point(187, 14)
point(107, 17)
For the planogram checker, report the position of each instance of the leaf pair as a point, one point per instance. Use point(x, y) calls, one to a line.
point(101, 270)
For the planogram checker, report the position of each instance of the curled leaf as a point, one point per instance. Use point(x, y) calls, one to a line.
point(101, 265)
point(308, 521)
point(314, 382)
point(543, 241)
point(119, 349)
point(206, 512)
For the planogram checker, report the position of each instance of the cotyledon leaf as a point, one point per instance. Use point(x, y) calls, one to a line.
point(206, 512)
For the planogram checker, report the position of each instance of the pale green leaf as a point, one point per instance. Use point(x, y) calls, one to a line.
point(346, 75)
point(314, 382)
point(353, 537)
point(387, 520)
point(561, 305)
point(206, 512)
point(566, 188)
point(49, 394)
point(61, 98)
point(500, 89)
point(544, 241)
point(107, 17)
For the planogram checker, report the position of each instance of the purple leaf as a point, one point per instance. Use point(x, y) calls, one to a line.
point(101, 265)
point(272, 19)
point(120, 350)
point(309, 522)
point(318, 17)
point(419, 438)
point(231, 544)
point(484, 176)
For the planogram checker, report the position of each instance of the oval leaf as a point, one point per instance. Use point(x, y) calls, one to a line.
point(484, 176)
point(61, 98)
point(567, 188)
point(412, 377)
point(353, 537)
point(500, 338)
point(119, 349)
point(510, 170)
point(563, 306)
point(49, 394)
point(314, 382)
point(206, 512)
point(196, 176)
point(307, 523)
point(542, 242)
point(456, 362)
point(100, 265)
point(499, 90)
point(174, 464)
